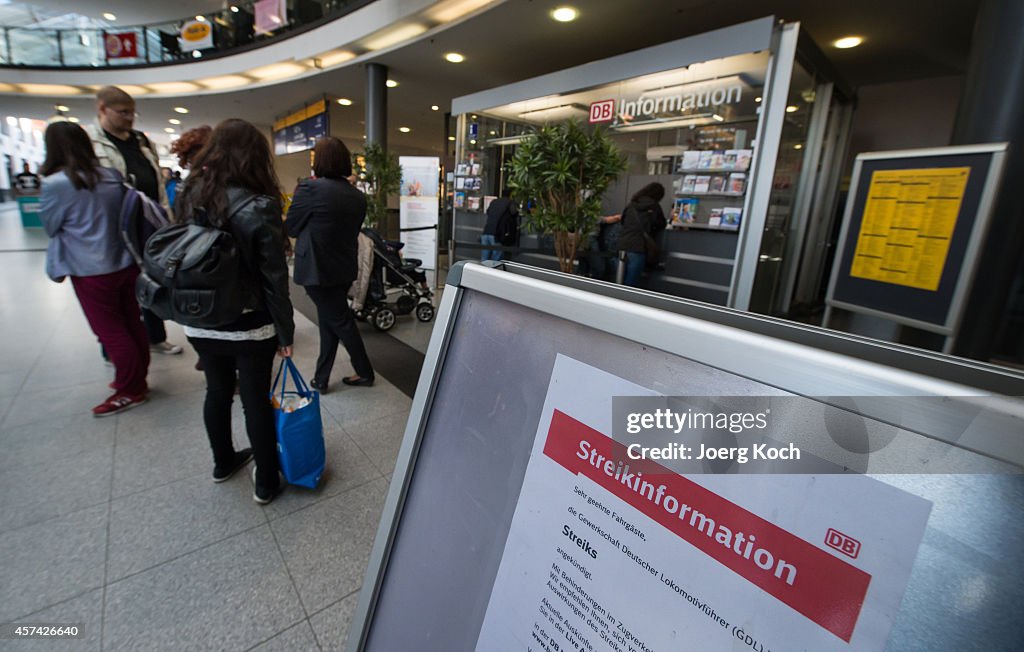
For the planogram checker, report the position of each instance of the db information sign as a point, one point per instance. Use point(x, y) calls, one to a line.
point(603, 111)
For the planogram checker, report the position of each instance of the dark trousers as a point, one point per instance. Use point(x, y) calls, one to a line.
point(337, 323)
point(108, 301)
point(154, 327)
point(254, 362)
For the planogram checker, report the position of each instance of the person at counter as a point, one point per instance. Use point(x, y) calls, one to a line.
point(642, 224)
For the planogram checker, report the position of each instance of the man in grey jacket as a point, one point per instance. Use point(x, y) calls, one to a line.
point(119, 146)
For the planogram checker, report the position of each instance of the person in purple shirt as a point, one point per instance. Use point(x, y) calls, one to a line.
point(79, 206)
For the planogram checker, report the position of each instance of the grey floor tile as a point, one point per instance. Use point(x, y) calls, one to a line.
point(380, 439)
point(165, 522)
point(327, 546)
point(50, 562)
point(85, 612)
point(347, 467)
point(32, 493)
point(331, 625)
point(352, 405)
point(40, 405)
point(13, 377)
point(296, 639)
point(232, 595)
point(54, 439)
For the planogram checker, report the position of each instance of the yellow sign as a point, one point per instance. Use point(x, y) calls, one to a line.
point(196, 31)
point(909, 217)
point(316, 108)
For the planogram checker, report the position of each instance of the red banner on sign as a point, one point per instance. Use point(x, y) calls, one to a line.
point(121, 46)
point(810, 580)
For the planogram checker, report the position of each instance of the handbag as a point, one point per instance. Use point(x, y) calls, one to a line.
point(300, 431)
point(651, 249)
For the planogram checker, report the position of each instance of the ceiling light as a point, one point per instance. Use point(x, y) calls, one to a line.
point(225, 81)
point(109, 16)
point(798, 146)
point(334, 57)
point(201, 19)
point(344, 101)
point(174, 121)
point(447, 11)
point(391, 83)
point(757, 99)
point(791, 109)
point(404, 130)
point(277, 71)
point(454, 57)
point(434, 107)
point(565, 14)
point(7, 88)
point(173, 87)
point(180, 109)
point(61, 107)
point(718, 118)
point(848, 42)
point(132, 90)
point(169, 130)
point(49, 89)
point(451, 137)
point(196, 54)
point(234, 9)
point(393, 36)
point(73, 119)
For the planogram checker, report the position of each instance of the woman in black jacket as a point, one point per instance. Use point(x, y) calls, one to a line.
point(325, 217)
point(234, 187)
point(641, 219)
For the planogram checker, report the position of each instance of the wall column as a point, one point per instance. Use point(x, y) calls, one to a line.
point(377, 104)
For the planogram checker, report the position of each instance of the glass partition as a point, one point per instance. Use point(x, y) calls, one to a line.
point(28, 46)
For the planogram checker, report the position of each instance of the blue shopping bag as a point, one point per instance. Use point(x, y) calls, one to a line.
point(300, 432)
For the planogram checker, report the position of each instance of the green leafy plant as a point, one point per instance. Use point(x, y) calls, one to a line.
point(564, 168)
point(380, 170)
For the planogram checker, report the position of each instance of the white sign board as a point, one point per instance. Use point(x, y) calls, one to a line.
point(418, 207)
point(602, 555)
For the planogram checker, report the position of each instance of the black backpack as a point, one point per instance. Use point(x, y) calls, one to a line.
point(194, 273)
point(507, 228)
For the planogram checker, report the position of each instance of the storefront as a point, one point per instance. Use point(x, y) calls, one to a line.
point(744, 126)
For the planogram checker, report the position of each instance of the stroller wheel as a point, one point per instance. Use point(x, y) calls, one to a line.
point(424, 312)
point(384, 319)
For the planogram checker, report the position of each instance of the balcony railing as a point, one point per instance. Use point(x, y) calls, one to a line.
point(233, 30)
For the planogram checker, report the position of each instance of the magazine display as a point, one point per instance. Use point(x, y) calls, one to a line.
point(731, 217)
point(684, 211)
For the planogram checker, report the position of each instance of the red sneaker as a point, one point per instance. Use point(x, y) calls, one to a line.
point(118, 403)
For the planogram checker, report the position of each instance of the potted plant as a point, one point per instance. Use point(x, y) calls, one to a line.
point(380, 170)
point(564, 168)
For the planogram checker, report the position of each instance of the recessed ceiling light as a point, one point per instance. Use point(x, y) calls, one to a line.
point(391, 83)
point(565, 14)
point(434, 107)
point(73, 119)
point(451, 137)
point(169, 130)
point(757, 99)
point(109, 16)
point(791, 109)
point(61, 107)
point(225, 81)
point(404, 130)
point(196, 54)
point(718, 118)
point(798, 146)
point(234, 9)
point(344, 101)
point(278, 71)
point(174, 87)
point(174, 121)
point(848, 42)
point(49, 89)
point(454, 57)
point(201, 19)
point(180, 109)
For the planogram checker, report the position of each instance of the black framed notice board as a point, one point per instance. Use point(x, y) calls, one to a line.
point(518, 519)
point(912, 230)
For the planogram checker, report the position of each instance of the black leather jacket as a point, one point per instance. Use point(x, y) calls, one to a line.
point(257, 226)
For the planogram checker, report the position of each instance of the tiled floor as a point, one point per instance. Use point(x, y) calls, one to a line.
point(116, 524)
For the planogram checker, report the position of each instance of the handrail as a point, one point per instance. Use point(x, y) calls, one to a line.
point(232, 30)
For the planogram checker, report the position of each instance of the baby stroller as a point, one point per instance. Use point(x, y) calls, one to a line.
point(391, 274)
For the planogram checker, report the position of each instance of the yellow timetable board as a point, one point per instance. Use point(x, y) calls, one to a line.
point(908, 222)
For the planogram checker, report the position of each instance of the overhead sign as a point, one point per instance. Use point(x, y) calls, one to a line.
point(681, 101)
point(123, 45)
point(196, 35)
point(269, 15)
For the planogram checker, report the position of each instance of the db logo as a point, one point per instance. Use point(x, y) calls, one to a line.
point(844, 544)
point(602, 111)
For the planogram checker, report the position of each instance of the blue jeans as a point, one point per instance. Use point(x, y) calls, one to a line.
point(489, 254)
point(635, 263)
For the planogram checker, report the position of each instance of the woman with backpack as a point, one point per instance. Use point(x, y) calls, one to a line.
point(80, 207)
point(233, 187)
point(642, 224)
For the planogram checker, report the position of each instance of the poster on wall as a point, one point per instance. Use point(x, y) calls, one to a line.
point(120, 45)
point(609, 553)
point(419, 207)
point(269, 15)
